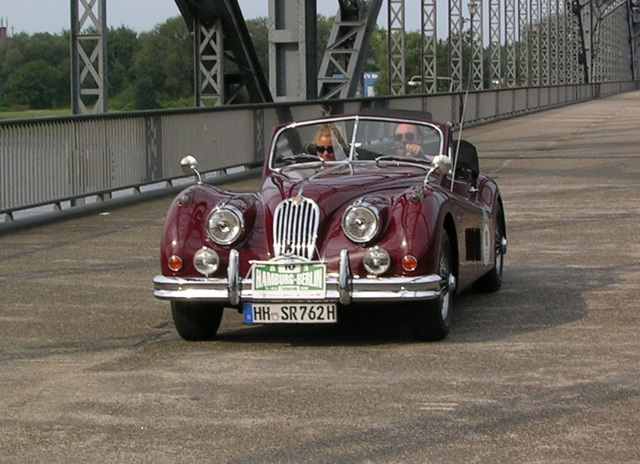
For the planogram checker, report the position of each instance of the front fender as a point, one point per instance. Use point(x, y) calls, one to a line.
point(185, 227)
point(413, 222)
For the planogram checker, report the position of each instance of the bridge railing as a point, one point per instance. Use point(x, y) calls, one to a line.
point(54, 164)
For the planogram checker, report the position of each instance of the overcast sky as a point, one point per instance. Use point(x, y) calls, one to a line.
point(53, 16)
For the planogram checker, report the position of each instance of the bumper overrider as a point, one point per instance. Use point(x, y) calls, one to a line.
point(343, 288)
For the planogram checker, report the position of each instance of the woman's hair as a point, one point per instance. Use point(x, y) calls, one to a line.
point(325, 130)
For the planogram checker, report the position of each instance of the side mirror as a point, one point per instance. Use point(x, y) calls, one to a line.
point(442, 164)
point(189, 165)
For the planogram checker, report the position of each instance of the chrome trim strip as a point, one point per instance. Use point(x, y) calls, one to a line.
point(357, 290)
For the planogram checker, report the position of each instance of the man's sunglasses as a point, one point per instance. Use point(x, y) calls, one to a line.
point(409, 136)
point(321, 149)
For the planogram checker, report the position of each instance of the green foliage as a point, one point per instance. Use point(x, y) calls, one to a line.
point(380, 53)
point(155, 69)
point(145, 71)
point(259, 31)
point(163, 68)
point(123, 46)
point(37, 85)
point(34, 71)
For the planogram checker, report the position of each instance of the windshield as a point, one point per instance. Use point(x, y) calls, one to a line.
point(355, 138)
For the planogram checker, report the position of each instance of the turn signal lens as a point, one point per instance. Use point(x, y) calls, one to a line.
point(409, 263)
point(175, 263)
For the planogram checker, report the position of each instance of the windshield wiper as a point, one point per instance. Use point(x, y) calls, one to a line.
point(403, 159)
point(301, 158)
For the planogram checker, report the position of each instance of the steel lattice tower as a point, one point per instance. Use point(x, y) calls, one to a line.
point(495, 44)
point(89, 91)
point(396, 38)
point(429, 46)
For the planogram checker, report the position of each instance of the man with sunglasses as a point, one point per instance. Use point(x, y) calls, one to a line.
point(409, 140)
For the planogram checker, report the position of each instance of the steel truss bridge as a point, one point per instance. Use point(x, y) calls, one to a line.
point(490, 43)
point(517, 56)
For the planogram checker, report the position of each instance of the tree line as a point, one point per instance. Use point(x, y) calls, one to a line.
point(151, 70)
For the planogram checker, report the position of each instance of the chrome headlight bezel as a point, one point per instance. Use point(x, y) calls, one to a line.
point(225, 225)
point(361, 222)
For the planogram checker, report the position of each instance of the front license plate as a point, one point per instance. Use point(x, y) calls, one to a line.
point(289, 280)
point(298, 313)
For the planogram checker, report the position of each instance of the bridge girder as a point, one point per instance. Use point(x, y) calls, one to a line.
point(607, 39)
point(344, 58)
point(226, 66)
point(545, 42)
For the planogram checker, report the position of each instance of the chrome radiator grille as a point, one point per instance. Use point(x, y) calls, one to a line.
point(295, 227)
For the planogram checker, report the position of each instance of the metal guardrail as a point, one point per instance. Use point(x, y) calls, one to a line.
point(56, 164)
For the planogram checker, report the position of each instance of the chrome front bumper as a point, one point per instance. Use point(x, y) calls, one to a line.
point(343, 288)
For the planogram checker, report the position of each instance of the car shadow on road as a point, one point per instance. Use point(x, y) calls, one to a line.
point(531, 299)
point(380, 325)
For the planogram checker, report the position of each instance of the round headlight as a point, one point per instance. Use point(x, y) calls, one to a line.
point(225, 225)
point(376, 260)
point(206, 261)
point(361, 223)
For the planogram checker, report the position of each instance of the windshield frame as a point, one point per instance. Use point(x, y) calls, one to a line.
point(287, 138)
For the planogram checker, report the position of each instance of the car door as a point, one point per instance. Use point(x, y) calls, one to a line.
point(471, 217)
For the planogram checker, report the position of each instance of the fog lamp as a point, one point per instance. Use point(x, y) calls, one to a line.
point(206, 261)
point(175, 263)
point(376, 260)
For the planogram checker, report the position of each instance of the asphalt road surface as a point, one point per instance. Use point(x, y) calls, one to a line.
point(545, 371)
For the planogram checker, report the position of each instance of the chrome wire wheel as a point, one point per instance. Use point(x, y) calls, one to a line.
point(492, 280)
point(431, 320)
point(448, 285)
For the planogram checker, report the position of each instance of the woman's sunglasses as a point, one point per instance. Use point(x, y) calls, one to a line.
point(321, 149)
point(409, 136)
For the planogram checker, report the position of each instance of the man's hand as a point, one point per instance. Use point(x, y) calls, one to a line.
point(413, 149)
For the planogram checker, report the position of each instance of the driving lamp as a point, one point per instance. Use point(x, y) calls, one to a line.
point(206, 261)
point(376, 260)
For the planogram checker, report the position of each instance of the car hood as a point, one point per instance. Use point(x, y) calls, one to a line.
point(331, 187)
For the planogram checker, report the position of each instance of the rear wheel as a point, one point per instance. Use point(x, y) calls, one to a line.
point(431, 320)
point(196, 321)
point(492, 280)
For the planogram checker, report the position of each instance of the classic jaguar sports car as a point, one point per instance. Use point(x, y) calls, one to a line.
point(375, 208)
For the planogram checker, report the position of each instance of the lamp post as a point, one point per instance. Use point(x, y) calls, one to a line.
point(473, 8)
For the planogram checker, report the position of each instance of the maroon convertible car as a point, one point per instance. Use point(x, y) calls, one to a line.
point(374, 208)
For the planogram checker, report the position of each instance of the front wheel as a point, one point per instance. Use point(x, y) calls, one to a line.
point(431, 320)
point(196, 321)
point(492, 280)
